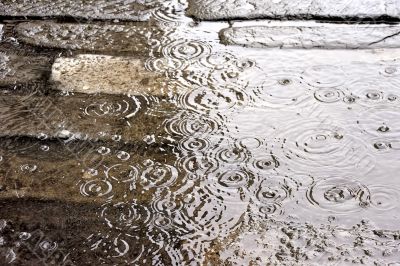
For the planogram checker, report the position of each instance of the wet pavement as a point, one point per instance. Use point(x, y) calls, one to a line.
point(139, 133)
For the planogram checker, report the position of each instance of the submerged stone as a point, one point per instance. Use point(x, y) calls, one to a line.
point(317, 36)
point(75, 171)
point(15, 69)
point(251, 9)
point(108, 74)
point(133, 38)
point(107, 118)
point(134, 10)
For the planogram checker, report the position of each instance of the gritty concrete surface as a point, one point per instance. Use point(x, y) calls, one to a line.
point(107, 74)
point(252, 9)
point(98, 9)
point(133, 38)
point(322, 36)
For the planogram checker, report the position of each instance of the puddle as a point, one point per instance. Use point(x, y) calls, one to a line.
point(178, 150)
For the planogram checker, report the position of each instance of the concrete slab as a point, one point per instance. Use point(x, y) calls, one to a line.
point(107, 74)
point(131, 38)
point(252, 9)
point(327, 36)
point(132, 10)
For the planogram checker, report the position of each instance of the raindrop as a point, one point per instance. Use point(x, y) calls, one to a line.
point(124, 156)
point(103, 150)
point(339, 195)
point(96, 188)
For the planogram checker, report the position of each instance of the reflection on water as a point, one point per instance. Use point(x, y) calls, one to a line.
point(245, 157)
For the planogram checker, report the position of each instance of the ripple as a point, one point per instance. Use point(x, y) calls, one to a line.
point(192, 124)
point(281, 90)
point(118, 109)
point(230, 155)
point(218, 61)
point(339, 195)
point(381, 121)
point(167, 204)
point(186, 50)
point(274, 190)
point(198, 166)
point(122, 173)
point(313, 144)
point(123, 156)
point(370, 91)
point(126, 216)
point(324, 76)
point(168, 16)
point(165, 65)
point(159, 175)
point(384, 198)
point(234, 178)
point(96, 188)
point(328, 95)
point(219, 79)
point(250, 143)
point(104, 150)
point(29, 168)
point(48, 246)
point(266, 164)
point(205, 99)
point(390, 71)
point(193, 144)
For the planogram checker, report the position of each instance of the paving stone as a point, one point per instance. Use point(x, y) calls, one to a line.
point(83, 117)
point(323, 36)
point(77, 172)
point(251, 9)
point(15, 69)
point(108, 74)
point(42, 232)
point(134, 10)
point(134, 38)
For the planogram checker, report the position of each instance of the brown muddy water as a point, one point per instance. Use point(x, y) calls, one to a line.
point(151, 143)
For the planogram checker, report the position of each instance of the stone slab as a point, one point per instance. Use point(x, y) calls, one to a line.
point(328, 36)
point(252, 9)
point(107, 74)
point(15, 69)
point(134, 10)
point(109, 118)
point(75, 172)
point(132, 38)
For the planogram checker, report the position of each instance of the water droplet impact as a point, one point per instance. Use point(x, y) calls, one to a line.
point(339, 195)
point(124, 156)
point(103, 150)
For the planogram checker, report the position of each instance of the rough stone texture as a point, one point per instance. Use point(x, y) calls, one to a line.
point(133, 38)
point(135, 10)
point(251, 9)
point(107, 74)
point(82, 117)
point(16, 69)
point(1, 32)
point(324, 36)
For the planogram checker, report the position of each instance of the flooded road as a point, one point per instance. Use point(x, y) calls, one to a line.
point(133, 133)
